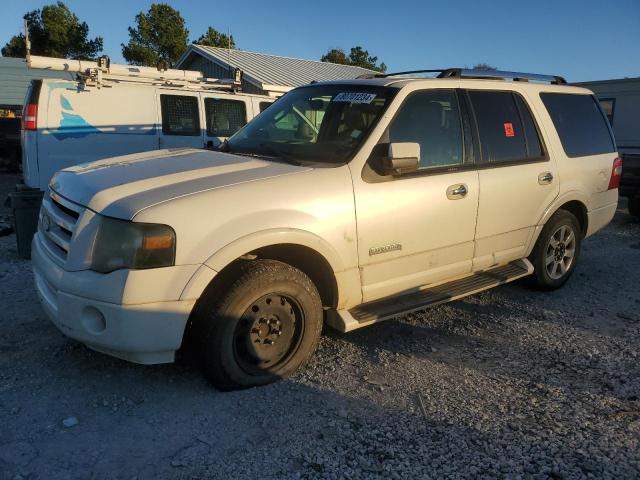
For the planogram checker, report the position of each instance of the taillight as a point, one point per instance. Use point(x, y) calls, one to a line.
point(616, 173)
point(30, 117)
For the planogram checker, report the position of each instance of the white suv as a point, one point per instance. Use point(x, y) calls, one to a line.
point(344, 202)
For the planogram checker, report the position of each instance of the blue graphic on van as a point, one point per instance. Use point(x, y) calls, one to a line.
point(72, 125)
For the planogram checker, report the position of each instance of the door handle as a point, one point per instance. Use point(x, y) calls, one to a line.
point(456, 192)
point(545, 178)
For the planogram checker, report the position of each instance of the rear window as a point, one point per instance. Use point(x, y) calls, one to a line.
point(224, 117)
point(580, 123)
point(505, 126)
point(180, 115)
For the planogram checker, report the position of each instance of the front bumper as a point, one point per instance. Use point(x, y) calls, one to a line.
point(147, 332)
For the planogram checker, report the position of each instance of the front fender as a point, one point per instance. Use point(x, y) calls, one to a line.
point(230, 252)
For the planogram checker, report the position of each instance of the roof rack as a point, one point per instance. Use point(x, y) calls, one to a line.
point(478, 74)
point(102, 72)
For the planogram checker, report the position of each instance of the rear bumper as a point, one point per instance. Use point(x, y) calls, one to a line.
point(142, 333)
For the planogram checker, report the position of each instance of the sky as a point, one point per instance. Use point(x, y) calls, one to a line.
point(578, 39)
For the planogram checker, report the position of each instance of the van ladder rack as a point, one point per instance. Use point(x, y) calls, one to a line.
point(477, 74)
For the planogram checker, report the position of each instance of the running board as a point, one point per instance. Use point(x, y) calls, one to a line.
point(374, 312)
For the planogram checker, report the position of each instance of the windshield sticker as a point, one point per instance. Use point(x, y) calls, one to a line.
point(354, 97)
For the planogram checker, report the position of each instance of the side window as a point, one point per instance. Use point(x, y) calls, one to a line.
point(580, 123)
point(608, 106)
point(264, 106)
point(531, 137)
point(502, 135)
point(224, 117)
point(431, 118)
point(180, 115)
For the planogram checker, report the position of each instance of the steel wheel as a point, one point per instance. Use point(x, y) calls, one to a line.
point(560, 252)
point(268, 333)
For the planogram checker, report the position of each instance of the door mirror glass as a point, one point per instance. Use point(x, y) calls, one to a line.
point(403, 157)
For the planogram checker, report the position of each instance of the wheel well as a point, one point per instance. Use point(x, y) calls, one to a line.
point(307, 260)
point(313, 264)
point(580, 211)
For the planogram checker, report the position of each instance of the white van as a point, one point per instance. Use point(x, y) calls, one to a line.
point(68, 122)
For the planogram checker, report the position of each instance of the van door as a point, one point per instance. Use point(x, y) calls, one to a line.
point(180, 118)
point(418, 228)
point(518, 179)
point(224, 116)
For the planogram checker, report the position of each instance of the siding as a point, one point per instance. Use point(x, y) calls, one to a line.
point(15, 78)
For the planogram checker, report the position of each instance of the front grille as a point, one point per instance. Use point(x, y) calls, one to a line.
point(58, 219)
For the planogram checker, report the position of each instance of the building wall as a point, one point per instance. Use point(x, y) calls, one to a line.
point(15, 78)
point(626, 113)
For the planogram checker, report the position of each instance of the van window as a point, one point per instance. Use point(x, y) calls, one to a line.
point(224, 117)
point(264, 106)
point(431, 118)
point(580, 123)
point(503, 137)
point(180, 115)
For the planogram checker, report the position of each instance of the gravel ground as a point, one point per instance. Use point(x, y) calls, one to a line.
point(510, 383)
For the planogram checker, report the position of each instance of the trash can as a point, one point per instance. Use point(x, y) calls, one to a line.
point(25, 205)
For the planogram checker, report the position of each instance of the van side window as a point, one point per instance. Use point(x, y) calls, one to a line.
point(580, 123)
point(431, 118)
point(264, 106)
point(224, 117)
point(502, 135)
point(180, 115)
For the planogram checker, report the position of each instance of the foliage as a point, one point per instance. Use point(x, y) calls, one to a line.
point(358, 57)
point(55, 31)
point(159, 34)
point(484, 66)
point(213, 38)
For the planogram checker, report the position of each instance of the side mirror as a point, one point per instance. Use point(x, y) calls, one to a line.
point(403, 157)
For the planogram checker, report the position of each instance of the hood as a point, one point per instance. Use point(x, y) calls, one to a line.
point(121, 187)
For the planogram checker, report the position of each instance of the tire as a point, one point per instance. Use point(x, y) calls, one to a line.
point(263, 327)
point(634, 206)
point(551, 255)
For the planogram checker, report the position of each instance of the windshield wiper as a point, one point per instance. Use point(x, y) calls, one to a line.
point(278, 154)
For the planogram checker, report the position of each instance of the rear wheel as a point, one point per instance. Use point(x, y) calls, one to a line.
point(557, 250)
point(264, 327)
point(634, 206)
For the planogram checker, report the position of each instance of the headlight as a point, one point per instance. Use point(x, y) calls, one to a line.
point(124, 244)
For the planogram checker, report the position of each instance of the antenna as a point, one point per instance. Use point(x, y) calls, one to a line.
point(229, 48)
point(27, 42)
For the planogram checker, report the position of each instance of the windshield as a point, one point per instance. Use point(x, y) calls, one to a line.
point(323, 123)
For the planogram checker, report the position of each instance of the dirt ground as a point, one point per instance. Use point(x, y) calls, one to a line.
point(510, 383)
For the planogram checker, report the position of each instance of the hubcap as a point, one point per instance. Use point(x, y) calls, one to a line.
point(268, 333)
point(560, 252)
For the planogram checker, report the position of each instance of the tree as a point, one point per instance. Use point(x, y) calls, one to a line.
point(484, 66)
point(335, 55)
point(213, 38)
point(160, 34)
point(358, 57)
point(55, 31)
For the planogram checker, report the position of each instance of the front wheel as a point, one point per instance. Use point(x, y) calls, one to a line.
point(556, 252)
point(264, 327)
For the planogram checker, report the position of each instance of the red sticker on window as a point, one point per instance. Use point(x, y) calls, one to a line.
point(508, 130)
